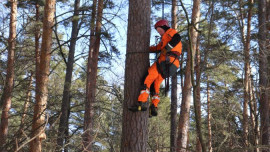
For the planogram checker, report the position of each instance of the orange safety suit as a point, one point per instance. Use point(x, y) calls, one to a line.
point(154, 73)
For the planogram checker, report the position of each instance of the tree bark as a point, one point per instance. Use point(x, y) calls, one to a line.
point(209, 115)
point(134, 125)
point(198, 91)
point(8, 88)
point(247, 96)
point(62, 138)
point(183, 122)
point(91, 81)
point(37, 37)
point(195, 18)
point(174, 89)
point(263, 72)
point(38, 125)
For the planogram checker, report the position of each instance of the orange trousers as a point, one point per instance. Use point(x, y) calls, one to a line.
point(153, 77)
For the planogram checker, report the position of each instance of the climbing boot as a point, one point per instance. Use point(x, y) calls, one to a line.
point(139, 106)
point(153, 111)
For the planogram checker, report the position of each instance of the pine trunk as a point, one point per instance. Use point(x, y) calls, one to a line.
point(195, 18)
point(38, 126)
point(7, 94)
point(209, 115)
point(247, 96)
point(37, 37)
point(174, 89)
point(263, 72)
point(198, 92)
point(134, 125)
point(183, 123)
point(62, 139)
point(91, 81)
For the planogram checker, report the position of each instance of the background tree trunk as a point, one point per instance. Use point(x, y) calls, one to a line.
point(91, 82)
point(198, 91)
point(183, 122)
point(174, 88)
point(42, 78)
point(134, 125)
point(7, 94)
point(263, 71)
point(247, 95)
point(209, 115)
point(63, 125)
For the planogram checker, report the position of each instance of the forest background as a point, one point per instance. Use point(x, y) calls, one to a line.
point(64, 76)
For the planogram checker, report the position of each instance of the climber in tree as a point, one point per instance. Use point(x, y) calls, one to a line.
point(170, 48)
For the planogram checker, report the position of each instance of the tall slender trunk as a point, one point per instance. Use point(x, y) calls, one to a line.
point(183, 123)
point(209, 114)
point(195, 18)
point(7, 94)
point(174, 89)
point(37, 37)
point(134, 125)
point(42, 77)
point(263, 71)
point(62, 138)
point(91, 82)
point(87, 135)
point(198, 91)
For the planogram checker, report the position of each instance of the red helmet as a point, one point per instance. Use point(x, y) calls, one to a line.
point(162, 23)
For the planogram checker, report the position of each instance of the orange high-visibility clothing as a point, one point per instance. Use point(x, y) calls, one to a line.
point(153, 72)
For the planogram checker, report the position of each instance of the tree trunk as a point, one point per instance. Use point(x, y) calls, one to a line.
point(7, 94)
point(183, 123)
point(38, 126)
point(198, 91)
point(209, 115)
point(195, 18)
point(247, 96)
point(88, 135)
point(174, 89)
point(91, 81)
point(134, 125)
point(263, 71)
point(37, 36)
point(63, 125)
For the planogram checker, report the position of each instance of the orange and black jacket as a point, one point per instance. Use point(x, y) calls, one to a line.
point(170, 45)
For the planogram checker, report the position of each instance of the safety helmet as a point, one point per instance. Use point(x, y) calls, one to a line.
point(161, 23)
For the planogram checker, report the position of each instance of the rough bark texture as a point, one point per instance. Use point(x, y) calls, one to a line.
point(63, 125)
point(174, 89)
point(91, 81)
point(38, 133)
point(7, 94)
point(134, 127)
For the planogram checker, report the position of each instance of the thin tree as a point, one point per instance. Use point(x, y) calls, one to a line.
point(42, 78)
point(174, 88)
point(91, 80)
point(8, 88)
point(134, 125)
point(62, 138)
point(37, 37)
point(247, 79)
